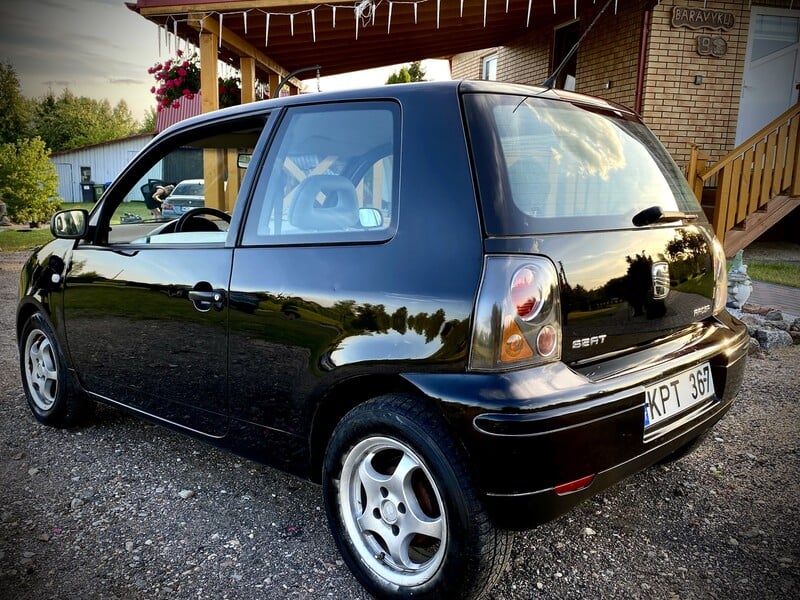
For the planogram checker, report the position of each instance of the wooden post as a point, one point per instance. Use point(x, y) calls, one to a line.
point(247, 67)
point(213, 162)
point(274, 80)
point(209, 78)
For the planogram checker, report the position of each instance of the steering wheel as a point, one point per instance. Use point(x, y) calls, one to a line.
point(200, 210)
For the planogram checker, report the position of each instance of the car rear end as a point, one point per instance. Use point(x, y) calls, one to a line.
point(188, 194)
point(600, 336)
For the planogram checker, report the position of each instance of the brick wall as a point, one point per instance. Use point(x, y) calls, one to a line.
point(678, 110)
point(608, 58)
point(526, 60)
point(469, 65)
point(609, 53)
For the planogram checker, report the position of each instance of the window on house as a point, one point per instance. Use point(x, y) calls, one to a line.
point(489, 68)
point(565, 38)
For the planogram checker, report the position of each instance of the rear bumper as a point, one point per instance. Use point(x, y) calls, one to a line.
point(529, 431)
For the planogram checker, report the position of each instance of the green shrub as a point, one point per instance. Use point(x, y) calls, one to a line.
point(28, 181)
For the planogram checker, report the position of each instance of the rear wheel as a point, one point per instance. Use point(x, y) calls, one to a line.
point(48, 386)
point(403, 508)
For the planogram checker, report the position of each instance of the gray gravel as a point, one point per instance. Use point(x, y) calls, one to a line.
point(123, 509)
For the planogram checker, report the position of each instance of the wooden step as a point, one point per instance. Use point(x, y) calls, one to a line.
point(755, 225)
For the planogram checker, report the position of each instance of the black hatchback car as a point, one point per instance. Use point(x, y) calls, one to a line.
point(462, 307)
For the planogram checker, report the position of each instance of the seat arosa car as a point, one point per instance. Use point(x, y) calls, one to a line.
point(461, 307)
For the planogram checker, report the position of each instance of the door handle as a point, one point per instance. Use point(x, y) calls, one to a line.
point(205, 300)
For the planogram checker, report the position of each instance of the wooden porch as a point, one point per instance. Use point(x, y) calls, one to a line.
point(752, 187)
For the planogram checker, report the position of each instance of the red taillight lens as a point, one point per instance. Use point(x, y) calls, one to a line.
point(518, 314)
point(546, 340)
point(525, 294)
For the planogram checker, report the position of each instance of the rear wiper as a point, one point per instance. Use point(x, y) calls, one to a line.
point(654, 214)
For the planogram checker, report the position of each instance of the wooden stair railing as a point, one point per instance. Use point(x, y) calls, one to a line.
point(765, 166)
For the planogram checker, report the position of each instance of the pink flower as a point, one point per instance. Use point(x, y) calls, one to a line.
point(176, 104)
point(182, 72)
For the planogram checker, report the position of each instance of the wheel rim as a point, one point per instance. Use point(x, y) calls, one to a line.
point(41, 370)
point(393, 511)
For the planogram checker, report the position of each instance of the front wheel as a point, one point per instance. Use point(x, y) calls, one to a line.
point(402, 506)
point(48, 386)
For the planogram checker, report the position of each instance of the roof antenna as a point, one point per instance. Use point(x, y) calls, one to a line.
point(550, 82)
point(292, 74)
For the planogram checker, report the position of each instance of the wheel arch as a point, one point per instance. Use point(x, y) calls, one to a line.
point(27, 308)
point(342, 399)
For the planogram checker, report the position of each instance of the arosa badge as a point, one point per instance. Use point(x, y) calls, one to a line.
point(660, 280)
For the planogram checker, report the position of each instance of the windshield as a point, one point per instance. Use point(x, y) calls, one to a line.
point(546, 166)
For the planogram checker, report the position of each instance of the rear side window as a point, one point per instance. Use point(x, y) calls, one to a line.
point(549, 166)
point(330, 176)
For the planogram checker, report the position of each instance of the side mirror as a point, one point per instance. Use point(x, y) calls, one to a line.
point(370, 218)
point(243, 160)
point(70, 224)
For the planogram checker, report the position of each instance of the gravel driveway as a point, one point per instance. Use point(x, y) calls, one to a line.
point(123, 509)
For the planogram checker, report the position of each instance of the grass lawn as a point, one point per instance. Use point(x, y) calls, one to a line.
point(775, 272)
point(16, 240)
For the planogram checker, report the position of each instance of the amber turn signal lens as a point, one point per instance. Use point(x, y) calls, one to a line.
point(514, 347)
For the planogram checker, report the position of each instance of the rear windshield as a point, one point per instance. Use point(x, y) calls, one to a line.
point(189, 188)
point(546, 165)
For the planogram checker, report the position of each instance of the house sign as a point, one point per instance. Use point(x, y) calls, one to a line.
point(701, 18)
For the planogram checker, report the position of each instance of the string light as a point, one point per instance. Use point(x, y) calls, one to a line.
point(364, 14)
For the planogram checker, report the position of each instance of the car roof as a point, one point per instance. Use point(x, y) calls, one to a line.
point(394, 91)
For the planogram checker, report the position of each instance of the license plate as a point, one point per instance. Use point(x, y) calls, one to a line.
point(677, 394)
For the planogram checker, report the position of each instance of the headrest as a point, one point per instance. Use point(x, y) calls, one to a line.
point(324, 203)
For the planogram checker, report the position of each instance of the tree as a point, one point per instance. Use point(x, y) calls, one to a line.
point(15, 111)
point(414, 72)
point(69, 121)
point(149, 122)
point(28, 181)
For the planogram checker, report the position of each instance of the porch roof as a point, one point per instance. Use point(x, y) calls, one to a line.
point(349, 36)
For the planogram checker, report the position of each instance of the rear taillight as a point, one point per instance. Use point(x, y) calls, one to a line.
point(720, 277)
point(166, 206)
point(517, 315)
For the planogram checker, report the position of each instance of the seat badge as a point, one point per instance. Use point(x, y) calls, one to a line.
point(660, 280)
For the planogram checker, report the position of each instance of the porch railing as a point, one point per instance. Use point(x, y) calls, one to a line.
point(763, 167)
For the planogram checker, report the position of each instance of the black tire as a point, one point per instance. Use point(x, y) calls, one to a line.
point(375, 509)
point(48, 384)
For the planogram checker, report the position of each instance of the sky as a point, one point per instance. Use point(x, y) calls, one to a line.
point(102, 50)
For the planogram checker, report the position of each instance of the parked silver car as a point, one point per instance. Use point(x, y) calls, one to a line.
point(188, 194)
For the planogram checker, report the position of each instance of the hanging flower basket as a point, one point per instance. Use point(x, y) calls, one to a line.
point(178, 80)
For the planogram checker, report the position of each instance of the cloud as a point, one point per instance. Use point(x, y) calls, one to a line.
point(127, 81)
point(96, 48)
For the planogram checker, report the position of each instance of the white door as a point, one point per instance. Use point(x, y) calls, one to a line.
point(772, 69)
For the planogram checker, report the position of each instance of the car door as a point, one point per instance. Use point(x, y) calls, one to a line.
point(145, 303)
point(321, 212)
